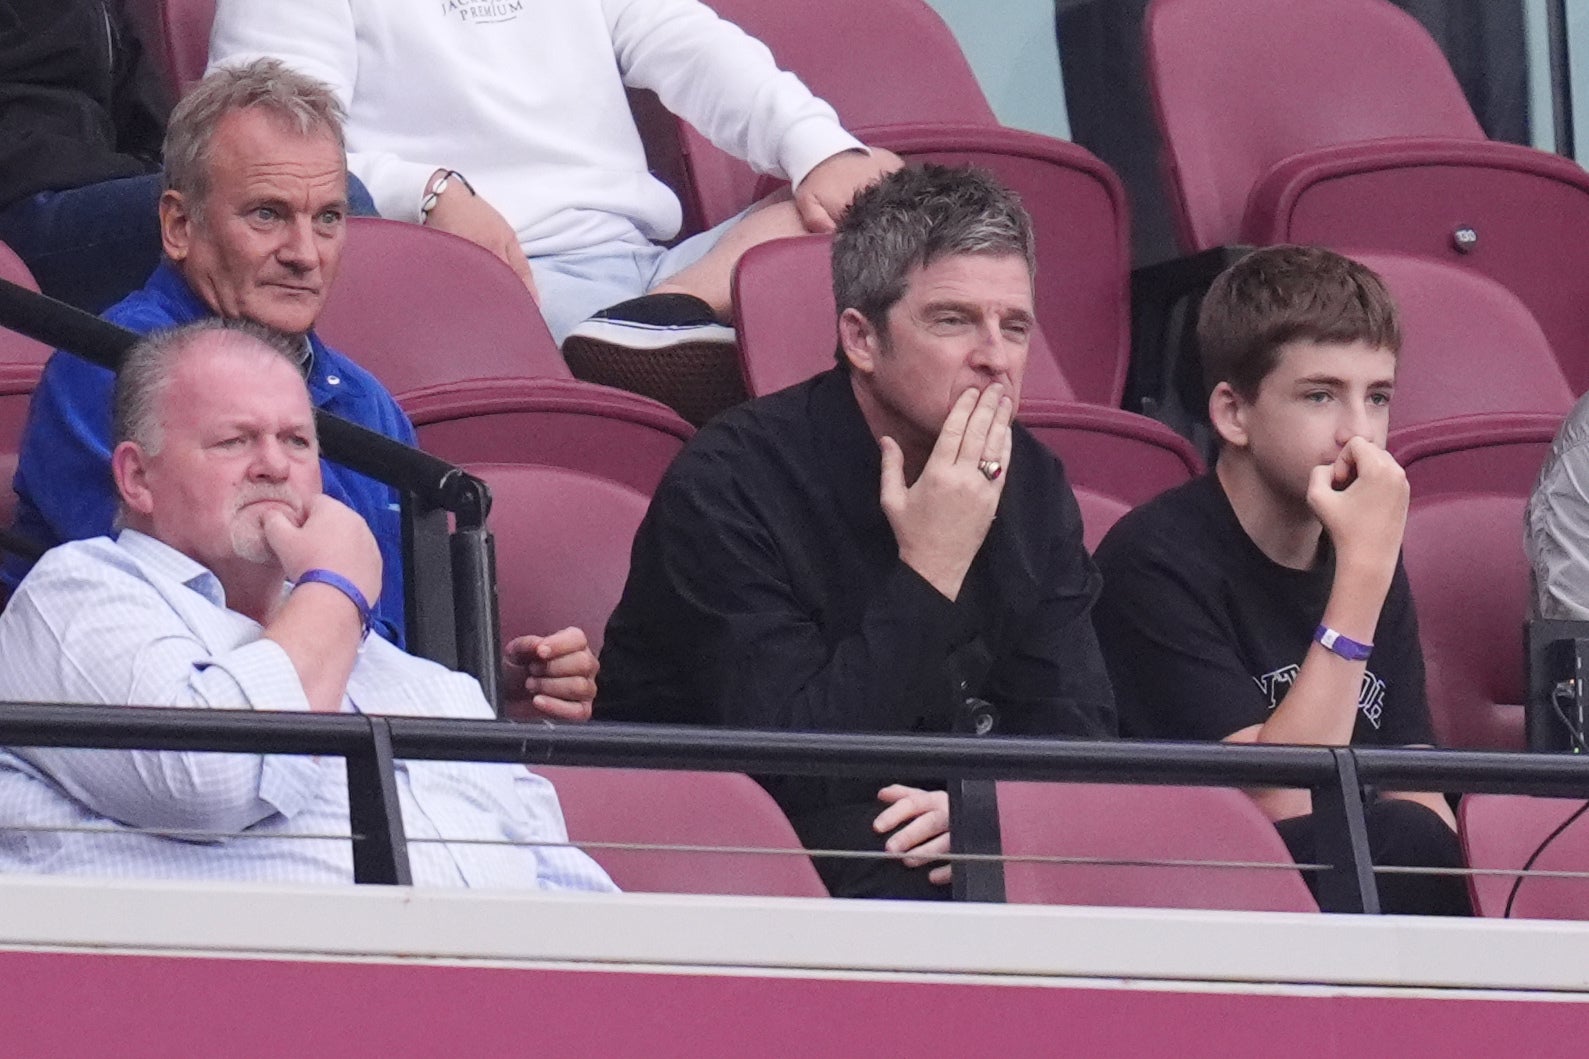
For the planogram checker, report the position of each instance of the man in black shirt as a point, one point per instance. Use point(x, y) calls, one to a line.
point(828, 557)
point(1266, 602)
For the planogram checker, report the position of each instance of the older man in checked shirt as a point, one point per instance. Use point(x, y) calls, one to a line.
point(236, 583)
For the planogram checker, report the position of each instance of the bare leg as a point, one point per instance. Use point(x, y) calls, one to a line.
point(711, 278)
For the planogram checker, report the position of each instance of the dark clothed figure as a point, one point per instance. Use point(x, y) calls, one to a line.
point(1204, 635)
point(767, 591)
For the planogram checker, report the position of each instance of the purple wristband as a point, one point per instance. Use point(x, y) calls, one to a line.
point(343, 585)
point(1337, 644)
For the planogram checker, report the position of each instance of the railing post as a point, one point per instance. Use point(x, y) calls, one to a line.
point(1341, 841)
point(380, 846)
point(474, 572)
point(427, 565)
point(974, 828)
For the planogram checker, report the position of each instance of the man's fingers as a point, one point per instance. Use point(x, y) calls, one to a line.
point(928, 851)
point(892, 487)
point(570, 688)
point(973, 446)
point(562, 642)
point(893, 816)
point(561, 709)
point(278, 529)
point(917, 835)
point(953, 431)
point(579, 663)
point(942, 875)
point(814, 216)
point(521, 649)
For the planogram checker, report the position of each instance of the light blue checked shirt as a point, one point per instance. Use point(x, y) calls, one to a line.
point(132, 621)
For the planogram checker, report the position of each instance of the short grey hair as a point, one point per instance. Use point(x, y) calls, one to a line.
point(299, 102)
point(914, 217)
point(148, 367)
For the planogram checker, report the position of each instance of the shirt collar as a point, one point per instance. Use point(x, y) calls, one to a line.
point(326, 371)
point(159, 557)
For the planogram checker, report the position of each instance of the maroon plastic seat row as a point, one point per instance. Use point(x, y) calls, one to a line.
point(1339, 123)
point(927, 80)
point(1135, 823)
point(21, 363)
point(456, 337)
point(1503, 831)
point(1469, 574)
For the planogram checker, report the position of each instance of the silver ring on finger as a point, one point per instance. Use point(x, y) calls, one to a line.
point(991, 469)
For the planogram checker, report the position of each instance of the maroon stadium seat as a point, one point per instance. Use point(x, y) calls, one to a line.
point(784, 312)
point(1485, 452)
point(562, 544)
point(1503, 831)
point(1241, 85)
point(21, 362)
point(1338, 123)
point(176, 34)
point(455, 336)
point(1142, 823)
point(706, 809)
point(910, 69)
point(1469, 345)
point(1469, 574)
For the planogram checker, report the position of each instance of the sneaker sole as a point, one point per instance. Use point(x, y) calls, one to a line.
point(651, 336)
point(695, 379)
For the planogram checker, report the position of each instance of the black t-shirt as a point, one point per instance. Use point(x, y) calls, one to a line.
point(766, 591)
point(1203, 634)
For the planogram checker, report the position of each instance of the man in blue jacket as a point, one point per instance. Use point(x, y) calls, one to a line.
point(252, 224)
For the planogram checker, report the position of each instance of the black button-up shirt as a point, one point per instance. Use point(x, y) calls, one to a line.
point(766, 591)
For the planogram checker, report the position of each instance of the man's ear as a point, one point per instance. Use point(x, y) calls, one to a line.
point(176, 225)
point(129, 466)
point(860, 341)
point(1227, 410)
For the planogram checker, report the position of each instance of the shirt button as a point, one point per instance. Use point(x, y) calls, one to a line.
point(333, 379)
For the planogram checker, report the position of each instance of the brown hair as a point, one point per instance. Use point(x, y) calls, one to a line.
point(1281, 294)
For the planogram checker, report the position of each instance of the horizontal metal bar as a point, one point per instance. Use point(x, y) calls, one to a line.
point(861, 754)
point(137, 728)
point(776, 752)
point(1475, 771)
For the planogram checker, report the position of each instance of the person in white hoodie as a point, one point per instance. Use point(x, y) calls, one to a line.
point(507, 123)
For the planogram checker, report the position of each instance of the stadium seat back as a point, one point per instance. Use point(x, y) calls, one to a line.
point(21, 363)
point(1469, 345)
point(1469, 574)
point(704, 809)
point(879, 63)
point(1501, 831)
point(1117, 822)
point(562, 544)
point(1113, 459)
point(1240, 85)
point(1509, 213)
point(176, 34)
point(458, 340)
point(1484, 452)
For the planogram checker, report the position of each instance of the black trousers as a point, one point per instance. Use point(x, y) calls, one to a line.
point(1401, 834)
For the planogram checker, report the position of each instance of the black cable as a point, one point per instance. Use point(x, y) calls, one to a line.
point(1538, 851)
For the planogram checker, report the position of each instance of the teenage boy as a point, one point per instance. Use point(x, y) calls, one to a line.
point(1266, 602)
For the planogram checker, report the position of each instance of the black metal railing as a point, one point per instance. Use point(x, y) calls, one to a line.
point(1336, 776)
